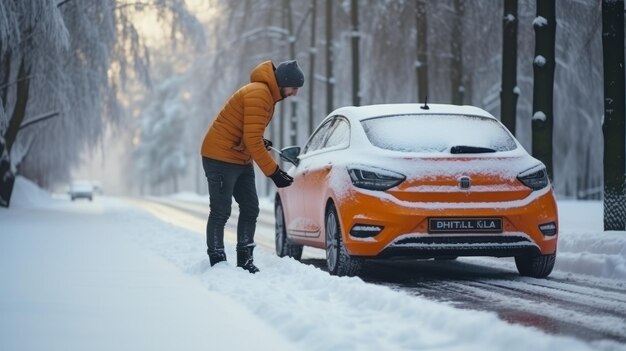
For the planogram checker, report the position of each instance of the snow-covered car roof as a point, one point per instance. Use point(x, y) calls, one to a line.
point(81, 185)
point(369, 111)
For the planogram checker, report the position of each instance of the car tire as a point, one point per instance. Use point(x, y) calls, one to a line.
point(72, 198)
point(284, 246)
point(338, 261)
point(535, 266)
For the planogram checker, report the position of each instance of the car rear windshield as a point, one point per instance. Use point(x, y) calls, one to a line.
point(438, 133)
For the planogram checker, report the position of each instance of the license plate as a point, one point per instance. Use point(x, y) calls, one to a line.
point(449, 225)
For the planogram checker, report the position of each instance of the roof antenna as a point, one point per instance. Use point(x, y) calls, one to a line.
point(425, 107)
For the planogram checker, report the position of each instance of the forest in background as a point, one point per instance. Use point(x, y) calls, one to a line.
point(94, 67)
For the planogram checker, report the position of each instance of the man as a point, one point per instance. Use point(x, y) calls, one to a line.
point(233, 141)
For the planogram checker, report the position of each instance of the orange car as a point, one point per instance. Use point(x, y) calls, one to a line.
point(412, 181)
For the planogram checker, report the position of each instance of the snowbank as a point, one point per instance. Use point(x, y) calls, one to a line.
point(27, 194)
point(584, 247)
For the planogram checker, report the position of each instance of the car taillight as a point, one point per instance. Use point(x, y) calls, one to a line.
point(535, 178)
point(375, 179)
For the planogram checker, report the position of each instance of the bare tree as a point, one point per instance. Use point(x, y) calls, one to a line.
point(509, 92)
point(614, 124)
point(543, 89)
point(312, 55)
point(456, 48)
point(28, 30)
point(421, 65)
point(354, 22)
point(330, 79)
point(69, 59)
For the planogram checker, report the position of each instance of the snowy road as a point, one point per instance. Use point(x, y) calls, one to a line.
point(565, 304)
point(569, 306)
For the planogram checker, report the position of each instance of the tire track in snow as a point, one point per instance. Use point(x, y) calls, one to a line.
point(548, 304)
point(556, 307)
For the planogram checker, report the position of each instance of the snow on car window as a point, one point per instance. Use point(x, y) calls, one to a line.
point(436, 133)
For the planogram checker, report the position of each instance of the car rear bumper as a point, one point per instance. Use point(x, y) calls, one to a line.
point(405, 227)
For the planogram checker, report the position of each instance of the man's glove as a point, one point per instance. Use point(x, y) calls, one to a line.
point(281, 179)
point(267, 143)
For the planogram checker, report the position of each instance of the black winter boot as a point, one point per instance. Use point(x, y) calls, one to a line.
point(216, 257)
point(244, 258)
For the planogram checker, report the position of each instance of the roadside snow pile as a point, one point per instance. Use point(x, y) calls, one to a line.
point(27, 194)
point(584, 247)
point(599, 254)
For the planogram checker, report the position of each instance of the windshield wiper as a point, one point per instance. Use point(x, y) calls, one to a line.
point(465, 149)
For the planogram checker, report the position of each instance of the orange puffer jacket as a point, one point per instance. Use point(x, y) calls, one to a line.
point(236, 134)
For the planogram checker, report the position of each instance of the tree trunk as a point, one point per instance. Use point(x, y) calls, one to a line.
point(509, 93)
point(330, 79)
point(5, 78)
point(543, 70)
point(456, 47)
point(20, 104)
point(613, 127)
point(354, 17)
point(293, 130)
point(421, 66)
point(7, 178)
point(312, 54)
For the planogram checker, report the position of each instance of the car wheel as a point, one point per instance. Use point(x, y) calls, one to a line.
point(283, 245)
point(535, 266)
point(338, 260)
point(72, 198)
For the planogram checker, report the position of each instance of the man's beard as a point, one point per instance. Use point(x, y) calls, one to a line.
point(282, 92)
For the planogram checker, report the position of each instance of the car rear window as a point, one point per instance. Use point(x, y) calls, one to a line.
point(436, 133)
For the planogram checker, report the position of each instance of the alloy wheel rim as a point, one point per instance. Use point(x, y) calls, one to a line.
point(331, 241)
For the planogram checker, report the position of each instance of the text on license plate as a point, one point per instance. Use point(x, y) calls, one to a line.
point(465, 225)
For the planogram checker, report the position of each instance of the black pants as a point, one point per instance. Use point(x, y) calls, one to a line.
point(228, 180)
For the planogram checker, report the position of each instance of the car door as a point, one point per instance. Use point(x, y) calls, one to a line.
point(316, 172)
point(295, 212)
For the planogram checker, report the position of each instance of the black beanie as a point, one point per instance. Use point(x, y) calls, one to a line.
point(288, 74)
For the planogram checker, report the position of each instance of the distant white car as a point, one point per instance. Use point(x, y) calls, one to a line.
point(81, 189)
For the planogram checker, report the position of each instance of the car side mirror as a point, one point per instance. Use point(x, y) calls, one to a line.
point(290, 154)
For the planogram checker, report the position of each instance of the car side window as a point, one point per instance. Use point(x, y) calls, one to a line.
point(339, 135)
point(317, 140)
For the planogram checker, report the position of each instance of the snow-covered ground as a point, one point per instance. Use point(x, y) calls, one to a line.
point(108, 275)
